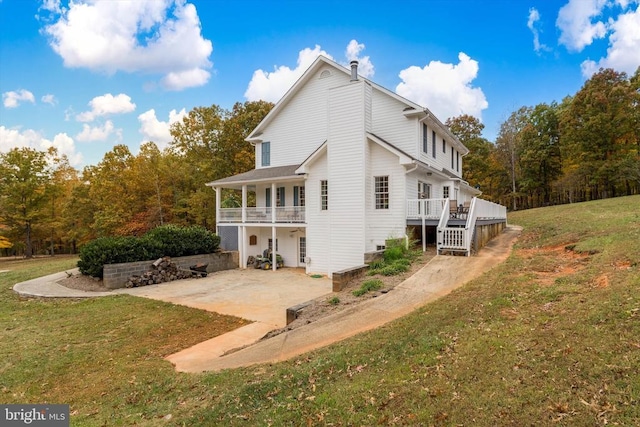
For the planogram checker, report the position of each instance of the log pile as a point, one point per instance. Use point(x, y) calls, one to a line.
point(162, 270)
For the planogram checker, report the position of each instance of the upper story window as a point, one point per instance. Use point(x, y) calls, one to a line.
point(267, 197)
point(452, 158)
point(382, 192)
point(298, 196)
point(425, 138)
point(266, 153)
point(433, 143)
point(444, 146)
point(280, 200)
point(324, 195)
point(457, 161)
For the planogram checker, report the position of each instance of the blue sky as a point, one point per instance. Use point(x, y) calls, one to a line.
point(94, 73)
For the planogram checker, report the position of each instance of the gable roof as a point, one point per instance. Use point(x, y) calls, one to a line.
point(411, 109)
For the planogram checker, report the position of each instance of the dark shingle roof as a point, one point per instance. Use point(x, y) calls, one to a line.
point(258, 175)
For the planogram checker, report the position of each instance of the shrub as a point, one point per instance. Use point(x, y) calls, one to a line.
point(368, 286)
point(111, 250)
point(167, 240)
point(177, 241)
point(334, 301)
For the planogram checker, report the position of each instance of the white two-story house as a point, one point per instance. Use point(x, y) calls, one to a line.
point(342, 165)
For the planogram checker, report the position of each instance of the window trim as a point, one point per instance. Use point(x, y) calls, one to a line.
point(381, 192)
point(265, 154)
point(324, 195)
point(433, 143)
point(425, 138)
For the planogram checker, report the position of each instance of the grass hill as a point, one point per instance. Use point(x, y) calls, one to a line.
point(550, 337)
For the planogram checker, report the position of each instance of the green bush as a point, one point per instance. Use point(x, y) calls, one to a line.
point(368, 286)
point(111, 250)
point(167, 240)
point(177, 241)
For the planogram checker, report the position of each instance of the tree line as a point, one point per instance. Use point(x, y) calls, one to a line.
point(48, 207)
point(585, 147)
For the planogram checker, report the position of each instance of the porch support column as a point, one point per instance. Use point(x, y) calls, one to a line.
point(424, 235)
point(243, 246)
point(274, 266)
point(273, 205)
point(218, 190)
point(244, 203)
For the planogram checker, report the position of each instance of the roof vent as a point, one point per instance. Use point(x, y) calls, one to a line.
point(354, 71)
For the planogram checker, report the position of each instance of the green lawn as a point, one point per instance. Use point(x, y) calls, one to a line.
point(550, 337)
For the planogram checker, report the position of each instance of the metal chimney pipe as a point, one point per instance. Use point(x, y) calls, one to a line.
point(354, 70)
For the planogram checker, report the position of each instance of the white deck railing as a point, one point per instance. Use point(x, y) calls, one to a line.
point(287, 214)
point(425, 208)
point(459, 238)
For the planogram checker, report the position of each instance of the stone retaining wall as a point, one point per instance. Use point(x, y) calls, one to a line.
point(341, 278)
point(116, 275)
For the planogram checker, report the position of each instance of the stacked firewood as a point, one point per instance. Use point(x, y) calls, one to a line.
point(162, 270)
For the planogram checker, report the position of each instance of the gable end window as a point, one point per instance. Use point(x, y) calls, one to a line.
point(324, 195)
point(382, 192)
point(266, 153)
point(425, 138)
point(433, 143)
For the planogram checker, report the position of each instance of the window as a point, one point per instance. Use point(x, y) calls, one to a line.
point(452, 158)
point(302, 249)
point(380, 247)
point(298, 196)
point(266, 153)
point(271, 245)
point(267, 196)
point(457, 161)
point(445, 192)
point(433, 143)
point(444, 146)
point(324, 195)
point(425, 138)
point(280, 197)
point(382, 192)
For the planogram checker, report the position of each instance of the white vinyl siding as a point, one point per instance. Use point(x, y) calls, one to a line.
point(346, 155)
point(301, 125)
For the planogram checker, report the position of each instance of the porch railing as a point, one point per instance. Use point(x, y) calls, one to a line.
point(425, 208)
point(287, 214)
point(460, 238)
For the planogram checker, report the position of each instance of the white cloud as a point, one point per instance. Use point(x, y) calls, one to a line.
point(271, 86)
point(14, 138)
point(65, 145)
point(107, 104)
point(150, 36)
point(49, 99)
point(157, 131)
point(444, 88)
point(13, 98)
point(623, 53)
point(534, 17)
point(184, 79)
point(96, 133)
point(575, 23)
point(365, 67)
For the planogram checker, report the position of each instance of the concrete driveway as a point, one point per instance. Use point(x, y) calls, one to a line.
point(258, 295)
